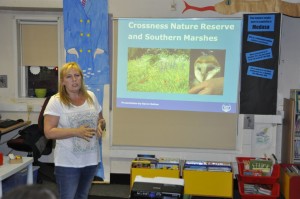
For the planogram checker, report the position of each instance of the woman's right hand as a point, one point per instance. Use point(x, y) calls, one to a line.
point(85, 132)
point(101, 127)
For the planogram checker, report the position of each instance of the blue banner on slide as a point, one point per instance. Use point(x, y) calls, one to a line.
point(177, 105)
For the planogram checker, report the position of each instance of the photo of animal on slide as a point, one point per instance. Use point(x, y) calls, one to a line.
point(207, 72)
point(178, 71)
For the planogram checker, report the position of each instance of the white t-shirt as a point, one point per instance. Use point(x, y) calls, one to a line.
point(75, 151)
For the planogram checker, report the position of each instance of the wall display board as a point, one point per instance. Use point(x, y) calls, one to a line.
point(260, 56)
point(175, 82)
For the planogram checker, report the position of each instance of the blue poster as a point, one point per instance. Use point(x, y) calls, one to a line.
point(86, 42)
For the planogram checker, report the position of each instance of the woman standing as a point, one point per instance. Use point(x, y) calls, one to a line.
point(73, 117)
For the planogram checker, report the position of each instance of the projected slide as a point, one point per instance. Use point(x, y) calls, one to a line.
point(179, 64)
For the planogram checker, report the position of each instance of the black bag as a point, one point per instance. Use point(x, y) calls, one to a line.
point(32, 138)
point(36, 139)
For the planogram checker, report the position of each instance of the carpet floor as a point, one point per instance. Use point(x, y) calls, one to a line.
point(103, 197)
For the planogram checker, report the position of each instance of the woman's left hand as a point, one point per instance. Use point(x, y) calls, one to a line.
point(101, 127)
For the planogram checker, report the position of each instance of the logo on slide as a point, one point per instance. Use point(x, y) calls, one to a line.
point(226, 108)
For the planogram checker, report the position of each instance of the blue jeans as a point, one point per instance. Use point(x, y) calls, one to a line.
point(74, 183)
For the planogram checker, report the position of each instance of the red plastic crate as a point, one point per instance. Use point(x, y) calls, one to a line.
point(257, 179)
point(274, 194)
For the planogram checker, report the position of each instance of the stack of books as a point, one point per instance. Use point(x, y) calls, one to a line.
point(295, 169)
point(208, 166)
point(195, 165)
point(219, 166)
point(168, 163)
point(150, 161)
point(144, 161)
point(258, 189)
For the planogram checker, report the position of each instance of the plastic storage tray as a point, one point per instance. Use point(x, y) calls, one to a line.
point(274, 194)
point(273, 178)
point(18, 179)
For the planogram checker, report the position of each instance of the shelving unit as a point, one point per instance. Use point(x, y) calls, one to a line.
point(295, 94)
point(291, 129)
point(271, 181)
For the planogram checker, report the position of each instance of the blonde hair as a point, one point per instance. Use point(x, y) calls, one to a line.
point(63, 94)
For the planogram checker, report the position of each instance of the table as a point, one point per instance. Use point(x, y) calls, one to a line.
point(16, 126)
point(7, 170)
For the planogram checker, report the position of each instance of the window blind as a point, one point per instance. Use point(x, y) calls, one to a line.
point(39, 44)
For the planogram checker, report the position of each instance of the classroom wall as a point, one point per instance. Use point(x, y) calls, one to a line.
point(120, 157)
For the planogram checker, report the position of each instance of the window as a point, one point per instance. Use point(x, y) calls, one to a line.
point(41, 77)
point(38, 44)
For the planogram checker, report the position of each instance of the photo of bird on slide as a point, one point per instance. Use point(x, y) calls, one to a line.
point(207, 72)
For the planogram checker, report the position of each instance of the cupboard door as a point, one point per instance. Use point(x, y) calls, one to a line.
point(287, 148)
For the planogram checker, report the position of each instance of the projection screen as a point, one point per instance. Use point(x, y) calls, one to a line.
point(175, 82)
